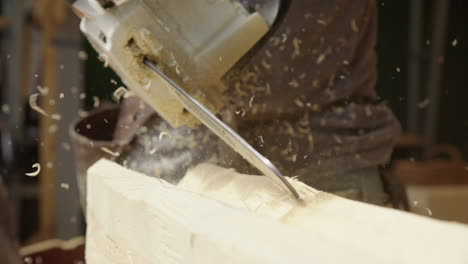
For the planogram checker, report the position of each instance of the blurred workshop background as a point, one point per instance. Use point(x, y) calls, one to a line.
point(423, 58)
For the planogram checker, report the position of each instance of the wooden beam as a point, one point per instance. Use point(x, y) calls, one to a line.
point(226, 217)
point(50, 14)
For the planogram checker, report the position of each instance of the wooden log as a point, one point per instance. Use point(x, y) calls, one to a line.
point(216, 215)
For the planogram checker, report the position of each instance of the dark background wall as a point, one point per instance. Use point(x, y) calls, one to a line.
point(392, 51)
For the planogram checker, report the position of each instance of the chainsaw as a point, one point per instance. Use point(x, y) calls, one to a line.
point(174, 53)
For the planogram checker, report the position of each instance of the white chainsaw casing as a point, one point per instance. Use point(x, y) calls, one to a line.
point(194, 41)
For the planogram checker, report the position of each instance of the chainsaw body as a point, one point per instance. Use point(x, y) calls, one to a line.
point(195, 42)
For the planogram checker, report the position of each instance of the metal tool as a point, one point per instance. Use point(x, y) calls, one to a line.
point(201, 46)
point(223, 131)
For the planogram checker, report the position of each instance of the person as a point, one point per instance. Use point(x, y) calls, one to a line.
point(305, 97)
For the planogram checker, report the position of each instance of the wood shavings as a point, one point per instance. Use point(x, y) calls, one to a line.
point(316, 107)
point(315, 83)
point(153, 151)
point(275, 41)
point(304, 121)
point(299, 103)
point(163, 134)
point(320, 58)
point(257, 89)
point(82, 55)
point(6, 108)
point(53, 128)
point(121, 91)
point(33, 104)
point(238, 90)
point(289, 131)
point(339, 110)
point(82, 113)
point(268, 89)
point(454, 43)
point(337, 139)
point(284, 38)
point(74, 90)
point(266, 65)
point(310, 139)
point(294, 157)
point(143, 130)
point(128, 94)
point(57, 117)
point(297, 48)
point(255, 109)
point(177, 67)
point(368, 111)
point(105, 59)
point(261, 139)
point(251, 101)
point(321, 22)
point(43, 90)
point(354, 26)
point(147, 84)
point(108, 151)
point(66, 146)
point(36, 166)
point(294, 83)
point(96, 102)
point(304, 130)
point(250, 76)
point(129, 257)
point(429, 212)
point(424, 103)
